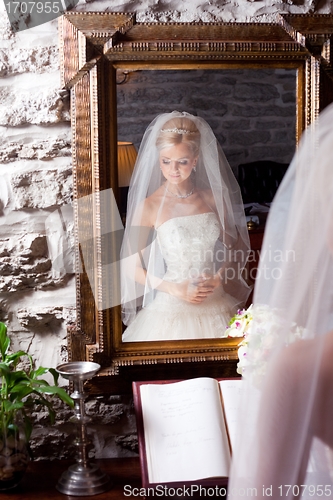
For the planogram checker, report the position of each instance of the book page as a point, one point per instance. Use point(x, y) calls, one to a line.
point(185, 433)
point(231, 391)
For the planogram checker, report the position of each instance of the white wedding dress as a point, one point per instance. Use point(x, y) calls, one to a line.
point(187, 244)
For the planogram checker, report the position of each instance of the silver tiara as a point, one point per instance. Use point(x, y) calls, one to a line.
point(177, 131)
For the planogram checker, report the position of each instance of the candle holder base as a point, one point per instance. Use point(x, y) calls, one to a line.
point(82, 478)
point(78, 480)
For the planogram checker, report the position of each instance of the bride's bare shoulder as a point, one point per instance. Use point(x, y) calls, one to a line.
point(149, 208)
point(208, 197)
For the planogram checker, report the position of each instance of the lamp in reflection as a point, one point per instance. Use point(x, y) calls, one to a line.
point(126, 160)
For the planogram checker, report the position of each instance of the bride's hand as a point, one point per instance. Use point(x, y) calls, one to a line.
point(194, 291)
point(213, 281)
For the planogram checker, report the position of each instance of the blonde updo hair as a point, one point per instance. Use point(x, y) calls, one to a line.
point(179, 130)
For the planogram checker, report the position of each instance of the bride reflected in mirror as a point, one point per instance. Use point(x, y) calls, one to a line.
point(186, 241)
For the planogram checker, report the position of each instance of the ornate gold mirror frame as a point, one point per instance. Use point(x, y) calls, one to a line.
point(93, 47)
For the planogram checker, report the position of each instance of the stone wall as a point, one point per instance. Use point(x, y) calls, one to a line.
point(252, 112)
point(38, 301)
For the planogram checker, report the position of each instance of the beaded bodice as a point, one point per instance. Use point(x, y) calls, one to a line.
point(187, 245)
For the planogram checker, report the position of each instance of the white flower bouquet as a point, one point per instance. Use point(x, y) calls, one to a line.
point(260, 336)
point(240, 324)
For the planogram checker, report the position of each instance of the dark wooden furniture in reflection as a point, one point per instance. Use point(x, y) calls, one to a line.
point(259, 180)
point(256, 238)
point(256, 235)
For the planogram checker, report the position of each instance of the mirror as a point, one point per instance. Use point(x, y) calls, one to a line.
point(96, 48)
point(252, 112)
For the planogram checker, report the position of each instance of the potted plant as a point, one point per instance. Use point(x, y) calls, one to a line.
point(22, 390)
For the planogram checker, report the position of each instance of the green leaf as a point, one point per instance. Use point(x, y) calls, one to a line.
point(20, 391)
point(9, 406)
point(59, 391)
point(4, 368)
point(55, 375)
point(40, 371)
point(15, 356)
point(39, 382)
point(4, 340)
point(16, 378)
point(25, 389)
point(27, 426)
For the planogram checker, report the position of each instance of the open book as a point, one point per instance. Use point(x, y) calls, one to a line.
point(186, 429)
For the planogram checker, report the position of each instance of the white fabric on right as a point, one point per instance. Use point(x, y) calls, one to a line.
point(286, 431)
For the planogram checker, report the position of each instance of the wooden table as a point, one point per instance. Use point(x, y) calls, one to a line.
point(39, 482)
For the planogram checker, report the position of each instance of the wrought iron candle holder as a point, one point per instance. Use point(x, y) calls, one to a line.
point(82, 478)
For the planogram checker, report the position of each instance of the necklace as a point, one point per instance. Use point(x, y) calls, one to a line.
point(182, 196)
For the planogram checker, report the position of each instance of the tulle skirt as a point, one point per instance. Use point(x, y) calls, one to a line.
point(169, 318)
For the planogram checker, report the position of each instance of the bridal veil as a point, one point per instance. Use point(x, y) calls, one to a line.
point(284, 447)
point(212, 173)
